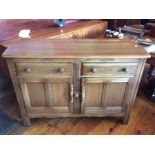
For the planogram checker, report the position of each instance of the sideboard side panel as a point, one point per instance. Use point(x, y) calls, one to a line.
point(133, 90)
point(17, 88)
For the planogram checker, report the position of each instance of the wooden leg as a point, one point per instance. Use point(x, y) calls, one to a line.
point(26, 121)
point(125, 120)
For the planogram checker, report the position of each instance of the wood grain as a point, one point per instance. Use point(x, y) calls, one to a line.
point(105, 94)
point(37, 94)
point(142, 122)
point(79, 48)
point(44, 68)
point(17, 88)
point(94, 96)
point(109, 69)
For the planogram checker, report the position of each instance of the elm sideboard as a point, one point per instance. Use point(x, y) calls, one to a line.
point(75, 77)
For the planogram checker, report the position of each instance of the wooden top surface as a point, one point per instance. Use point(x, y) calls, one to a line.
point(75, 48)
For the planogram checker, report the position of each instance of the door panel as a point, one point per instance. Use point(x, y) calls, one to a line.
point(102, 94)
point(114, 94)
point(60, 94)
point(41, 96)
point(36, 91)
point(93, 95)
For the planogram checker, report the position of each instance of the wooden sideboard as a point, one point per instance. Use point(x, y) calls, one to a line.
point(75, 77)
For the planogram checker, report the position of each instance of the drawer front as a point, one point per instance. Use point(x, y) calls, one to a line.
point(109, 69)
point(43, 69)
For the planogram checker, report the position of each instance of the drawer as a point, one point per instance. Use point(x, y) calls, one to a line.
point(109, 69)
point(54, 69)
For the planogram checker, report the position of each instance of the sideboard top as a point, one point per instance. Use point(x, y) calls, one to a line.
point(75, 48)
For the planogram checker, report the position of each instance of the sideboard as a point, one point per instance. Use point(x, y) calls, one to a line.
point(75, 77)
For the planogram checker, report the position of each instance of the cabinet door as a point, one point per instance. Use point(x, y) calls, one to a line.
point(104, 95)
point(47, 96)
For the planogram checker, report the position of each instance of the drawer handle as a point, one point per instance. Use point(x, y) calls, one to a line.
point(61, 70)
point(124, 70)
point(27, 70)
point(71, 93)
point(83, 94)
point(93, 70)
point(83, 99)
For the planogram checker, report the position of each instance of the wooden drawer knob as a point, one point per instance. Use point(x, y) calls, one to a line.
point(93, 70)
point(28, 70)
point(61, 70)
point(76, 95)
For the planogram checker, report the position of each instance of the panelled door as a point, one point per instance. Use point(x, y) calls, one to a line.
point(104, 95)
point(47, 96)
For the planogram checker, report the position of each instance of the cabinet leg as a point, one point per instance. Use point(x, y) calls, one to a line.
point(125, 120)
point(26, 121)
